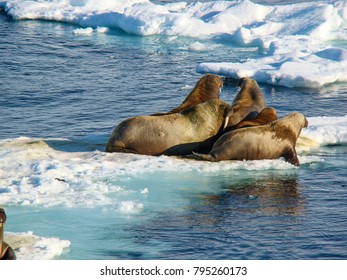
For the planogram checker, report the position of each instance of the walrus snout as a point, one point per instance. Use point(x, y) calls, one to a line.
point(306, 123)
point(3, 216)
point(242, 81)
point(6, 251)
point(108, 148)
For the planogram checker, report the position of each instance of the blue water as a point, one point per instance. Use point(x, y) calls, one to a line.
point(56, 84)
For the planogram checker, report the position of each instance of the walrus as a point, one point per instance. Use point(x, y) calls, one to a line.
point(208, 87)
point(266, 116)
point(193, 129)
point(6, 252)
point(274, 140)
point(249, 100)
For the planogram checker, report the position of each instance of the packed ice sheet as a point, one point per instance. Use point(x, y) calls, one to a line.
point(291, 69)
point(37, 172)
point(304, 44)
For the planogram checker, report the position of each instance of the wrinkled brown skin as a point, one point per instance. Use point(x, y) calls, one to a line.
point(208, 87)
point(272, 141)
point(6, 252)
point(266, 116)
point(249, 99)
point(194, 129)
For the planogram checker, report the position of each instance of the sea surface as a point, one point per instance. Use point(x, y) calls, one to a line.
point(69, 73)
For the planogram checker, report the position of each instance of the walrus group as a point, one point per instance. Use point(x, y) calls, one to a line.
point(207, 128)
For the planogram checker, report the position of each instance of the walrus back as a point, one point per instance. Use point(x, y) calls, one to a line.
point(142, 135)
point(174, 134)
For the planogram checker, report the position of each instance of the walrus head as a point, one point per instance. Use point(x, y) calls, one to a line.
point(249, 99)
point(208, 87)
point(2, 216)
point(2, 221)
point(290, 126)
point(298, 120)
point(306, 123)
point(249, 90)
point(6, 252)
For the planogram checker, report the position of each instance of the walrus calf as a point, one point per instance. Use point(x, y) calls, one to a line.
point(274, 140)
point(193, 129)
point(266, 116)
point(6, 252)
point(249, 99)
point(208, 87)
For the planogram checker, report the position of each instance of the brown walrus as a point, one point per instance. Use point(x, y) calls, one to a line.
point(274, 140)
point(6, 252)
point(193, 129)
point(266, 116)
point(208, 87)
point(249, 99)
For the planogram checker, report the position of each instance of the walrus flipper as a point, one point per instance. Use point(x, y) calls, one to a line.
point(291, 157)
point(207, 157)
point(120, 150)
point(9, 253)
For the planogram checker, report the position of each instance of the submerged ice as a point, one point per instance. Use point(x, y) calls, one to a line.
point(297, 38)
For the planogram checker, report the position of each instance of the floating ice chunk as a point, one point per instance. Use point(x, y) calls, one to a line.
point(100, 29)
point(240, 22)
point(198, 46)
point(326, 130)
point(247, 12)
point(292, 69)
point(144, 191)
point(32, 247)
point(83, 31)
point(295, 36)
point(245, 20)
point(130, 207)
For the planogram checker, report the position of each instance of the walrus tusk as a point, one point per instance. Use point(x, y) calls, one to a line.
point(225, 123)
